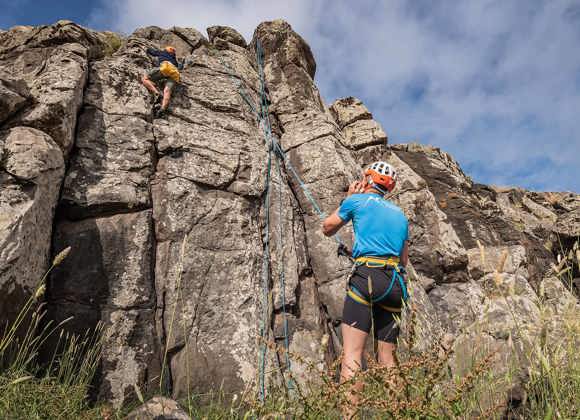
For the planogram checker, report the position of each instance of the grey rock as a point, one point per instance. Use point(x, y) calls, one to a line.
point(349, 110)
point(31, 172)
point(421, 328)
point(558, 298)
point(364, 133)
point(111, 167)
point(53, 61)
point(505, 259)
point(184, 40)
point(457, 305)
point(158, 408)
point(13, 96)
point(227, 34)
point(107, 277)
point(359, 128)
point(504, 284)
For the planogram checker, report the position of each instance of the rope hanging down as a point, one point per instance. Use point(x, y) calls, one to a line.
point(261, 113)
point(267, 129)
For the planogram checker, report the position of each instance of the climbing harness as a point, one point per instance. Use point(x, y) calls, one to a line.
point(375, 262)
point(276, 154)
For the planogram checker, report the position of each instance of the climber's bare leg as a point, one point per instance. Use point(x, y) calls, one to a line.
point(166, 96)
point(386, 353)
point(354, 343)
point(150, 85)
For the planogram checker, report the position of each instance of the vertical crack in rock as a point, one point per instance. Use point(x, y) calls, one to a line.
point(316, 152)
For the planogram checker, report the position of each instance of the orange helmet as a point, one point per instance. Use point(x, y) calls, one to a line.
point(170, 50)
point(382, 175)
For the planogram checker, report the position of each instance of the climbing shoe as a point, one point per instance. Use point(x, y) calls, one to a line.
point(160, 113)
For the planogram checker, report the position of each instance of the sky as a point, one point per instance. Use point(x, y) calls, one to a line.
point(494, 83)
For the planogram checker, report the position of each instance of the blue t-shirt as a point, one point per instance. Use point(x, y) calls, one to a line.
point(380, 227)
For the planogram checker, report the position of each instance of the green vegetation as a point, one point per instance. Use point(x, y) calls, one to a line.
point(113, 43)
point(418, 387)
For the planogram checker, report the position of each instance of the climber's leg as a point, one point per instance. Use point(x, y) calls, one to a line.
point(149, 80)
point(150, 85)
point(169, 84)
point(386, 332)
point(386, 353)
point(353, 345)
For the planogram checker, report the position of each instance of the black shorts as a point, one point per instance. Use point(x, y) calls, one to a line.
point(156, 77)
point(358, 315)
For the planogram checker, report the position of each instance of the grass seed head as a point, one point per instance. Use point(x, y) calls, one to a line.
point(60, 257)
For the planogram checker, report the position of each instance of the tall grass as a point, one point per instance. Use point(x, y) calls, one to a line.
point(553, 386)
point(59, 388)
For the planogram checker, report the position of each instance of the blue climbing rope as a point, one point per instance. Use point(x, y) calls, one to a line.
point(239, 83)
point(265, 285)
point(261, 112)
point(265, 123)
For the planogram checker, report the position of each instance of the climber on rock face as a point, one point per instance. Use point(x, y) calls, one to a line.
point(376, 289)
point(166, 73)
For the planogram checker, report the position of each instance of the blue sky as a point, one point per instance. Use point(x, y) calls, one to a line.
point(494, 83)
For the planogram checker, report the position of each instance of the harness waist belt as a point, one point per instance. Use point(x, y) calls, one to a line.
point(378, 262)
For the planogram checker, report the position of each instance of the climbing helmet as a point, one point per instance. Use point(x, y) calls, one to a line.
point(382, 174)
point(170, 49)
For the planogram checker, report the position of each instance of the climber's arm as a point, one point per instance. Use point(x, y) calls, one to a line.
point(153, 52)
point(332, 224)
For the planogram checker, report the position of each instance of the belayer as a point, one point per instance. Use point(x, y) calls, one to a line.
point(166, 73)
point(377, 288)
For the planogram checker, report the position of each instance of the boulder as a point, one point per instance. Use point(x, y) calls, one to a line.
point(52, 62)
point(349, 110)
point(457, 305)
point(13, 96)
point(505, 259)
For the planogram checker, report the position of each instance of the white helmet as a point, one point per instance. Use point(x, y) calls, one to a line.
point(383, 175)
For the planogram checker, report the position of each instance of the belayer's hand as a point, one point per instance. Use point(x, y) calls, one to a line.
point(355, 188)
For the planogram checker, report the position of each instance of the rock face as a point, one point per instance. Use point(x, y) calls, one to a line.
point(167, 217)
point(357, 123)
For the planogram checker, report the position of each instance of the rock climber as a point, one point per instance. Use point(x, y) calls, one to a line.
point(377, 287)
point(166, 74)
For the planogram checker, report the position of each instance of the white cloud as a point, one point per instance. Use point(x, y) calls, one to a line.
point(495, 83)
